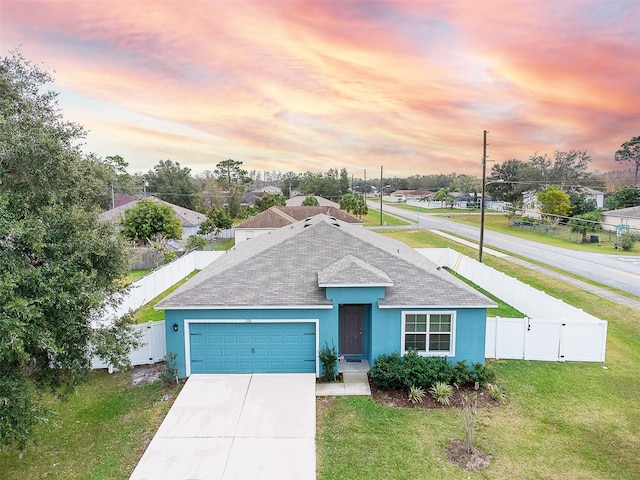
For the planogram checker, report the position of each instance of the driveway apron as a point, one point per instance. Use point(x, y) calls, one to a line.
point(236, 427)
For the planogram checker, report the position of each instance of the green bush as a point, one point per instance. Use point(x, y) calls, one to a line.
point(196, 241)
point(627, 242)
point(391, 371)
point(328, 357)
point(170, 256)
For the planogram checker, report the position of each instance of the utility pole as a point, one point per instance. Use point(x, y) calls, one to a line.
point(484, 185)
point(381, 192)
point(365, 186)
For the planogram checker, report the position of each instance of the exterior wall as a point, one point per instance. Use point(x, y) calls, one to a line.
point(610, 221)
point(176, 341)
point(382, 327)
point(470, 332)
point(243, 234)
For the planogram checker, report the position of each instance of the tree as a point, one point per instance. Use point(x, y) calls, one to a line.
point(630, 152)
point(148, 221)
point(218, 219)
point(355, 204)
point(311, 201)
point(554, 201)
point(443, 195)
point(59, 265)
point(507, 181)
point(270, 200)
point(172, 183)
point(627, 197)
point(587, 222)
point(196, 241)
point(580, 204)
point(234, 179)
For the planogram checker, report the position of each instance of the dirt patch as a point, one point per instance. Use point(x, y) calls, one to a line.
point(400, 398)
point(457, 454)
point(146, 374)
point(339, 379)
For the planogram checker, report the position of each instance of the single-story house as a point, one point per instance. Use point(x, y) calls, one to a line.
point(591, 194)
point(189, 219)
point(269, 305)
point(278, 217)
point(630, 217)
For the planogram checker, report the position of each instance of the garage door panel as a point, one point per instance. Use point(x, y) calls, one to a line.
point(253, 347)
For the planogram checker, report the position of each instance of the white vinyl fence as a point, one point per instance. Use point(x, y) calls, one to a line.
point(552, 330)
point(153, 347)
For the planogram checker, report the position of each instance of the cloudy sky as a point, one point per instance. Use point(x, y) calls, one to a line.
point(311, 85)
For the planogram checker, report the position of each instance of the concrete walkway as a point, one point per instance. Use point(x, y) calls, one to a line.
point(355, 380)
point(236, 427)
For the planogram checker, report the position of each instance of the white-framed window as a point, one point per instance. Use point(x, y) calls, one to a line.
point(430, 333)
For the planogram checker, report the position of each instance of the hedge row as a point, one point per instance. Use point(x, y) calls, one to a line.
point(396, 372)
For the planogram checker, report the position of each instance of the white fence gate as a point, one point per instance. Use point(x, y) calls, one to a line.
point(548, 340)
point(152, 350)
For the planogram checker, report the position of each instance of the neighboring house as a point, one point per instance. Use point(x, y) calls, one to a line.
point(120, 199)
point(410, 195)
point(189, 219)
point(277, 217)
point(630, 217)
point(270, 304)
point(296, 201)
point(591, 194)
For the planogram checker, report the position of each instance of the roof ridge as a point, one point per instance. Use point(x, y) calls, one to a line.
point(286, 216)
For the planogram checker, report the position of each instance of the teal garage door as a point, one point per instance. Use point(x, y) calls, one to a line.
point(252, 347)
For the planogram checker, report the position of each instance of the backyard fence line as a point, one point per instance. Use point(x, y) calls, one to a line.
point(150, 286)
point(551, 330)
point(152, 350)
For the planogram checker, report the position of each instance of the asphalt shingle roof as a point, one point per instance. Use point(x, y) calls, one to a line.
point(281, 269)
point(279, 216)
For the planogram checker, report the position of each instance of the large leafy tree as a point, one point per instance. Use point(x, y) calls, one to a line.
point(149, 221)
point(59, 265)
point(218, 219)
point(625, 197)
point(172, 183)
point(554, 201)
point(630, 152)
point(270, 200)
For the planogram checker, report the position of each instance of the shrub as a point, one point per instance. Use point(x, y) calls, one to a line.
point(627, 242)
point(170, 256)
point(496, 392)
point(461, 374)
point(416, 394)
point(469, 414)
point(170, 375)
point(328, 357)
point(442, 392)
point(481, 374)
point(196, 241)
point(388, 371)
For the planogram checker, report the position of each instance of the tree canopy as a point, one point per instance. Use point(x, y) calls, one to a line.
point(59, 265)
point(172, 183)
point(149, 221)
point(630, 152)
point(270, 200)
point(554, 201)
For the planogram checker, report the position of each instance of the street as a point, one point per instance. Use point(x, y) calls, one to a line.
point(612, 269)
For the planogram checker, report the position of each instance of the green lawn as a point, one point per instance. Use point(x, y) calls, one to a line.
point(135, 275)
point(149, 314)
point(563, 420)
point(560, 237)
point(100, 432)
point(372, 219)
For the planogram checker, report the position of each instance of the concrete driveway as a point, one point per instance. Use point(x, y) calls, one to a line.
point(224, 427)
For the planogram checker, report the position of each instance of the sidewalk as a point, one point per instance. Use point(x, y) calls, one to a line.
point(355, 380)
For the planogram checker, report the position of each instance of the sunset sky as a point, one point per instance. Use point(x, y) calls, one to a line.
point(313, 85)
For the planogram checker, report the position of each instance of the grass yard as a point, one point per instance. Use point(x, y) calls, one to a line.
point(372, 219)
point(99, 433)
point(561, 238)
point(563, 420)
point(135, 275)
point(149, 314)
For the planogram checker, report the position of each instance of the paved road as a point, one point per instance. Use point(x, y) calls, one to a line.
point(614, 270)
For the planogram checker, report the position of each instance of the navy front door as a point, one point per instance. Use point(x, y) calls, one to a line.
point(351, 329)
